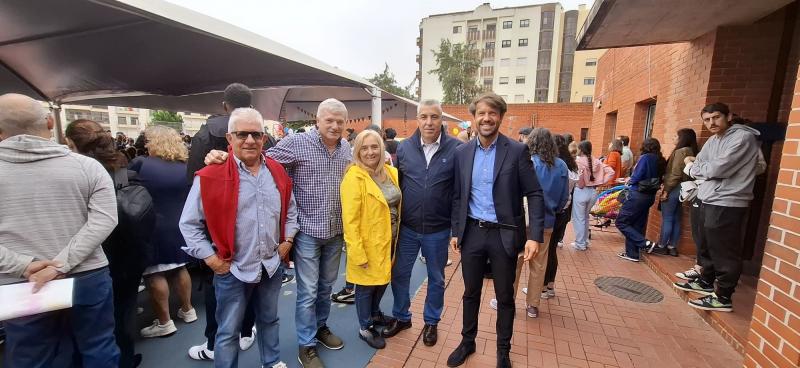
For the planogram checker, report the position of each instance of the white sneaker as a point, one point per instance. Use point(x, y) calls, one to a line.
point(201, 352)
point(525, 291)
point(189, 316)
point(688, 274)
point(279, 365)
point(157, 330)
point(561, 244)
point(422, 259)
point(493, 304)
point(245, 342)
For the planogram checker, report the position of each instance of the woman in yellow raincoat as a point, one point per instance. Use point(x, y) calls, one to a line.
point(371, 215)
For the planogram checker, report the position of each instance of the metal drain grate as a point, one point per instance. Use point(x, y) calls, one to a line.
point(628, 289)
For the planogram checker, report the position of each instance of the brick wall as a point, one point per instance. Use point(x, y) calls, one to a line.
point(558, 117)
point(774, 339)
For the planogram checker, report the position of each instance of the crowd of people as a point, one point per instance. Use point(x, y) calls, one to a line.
point(245, 207)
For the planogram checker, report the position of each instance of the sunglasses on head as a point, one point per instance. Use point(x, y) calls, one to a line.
point(243, 135)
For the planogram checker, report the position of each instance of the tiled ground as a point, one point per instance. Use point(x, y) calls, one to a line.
point(581, 327)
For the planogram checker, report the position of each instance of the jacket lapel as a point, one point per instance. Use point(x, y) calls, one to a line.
point(469, 163)
point(500, 154)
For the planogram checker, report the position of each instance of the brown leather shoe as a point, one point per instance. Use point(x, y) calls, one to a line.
point(429, 335)
point(394, 327)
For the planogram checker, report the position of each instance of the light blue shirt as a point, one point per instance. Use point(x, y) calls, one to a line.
point(481, 199)
point(257, 225)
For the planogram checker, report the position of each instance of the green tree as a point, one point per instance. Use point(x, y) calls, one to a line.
point(388, 83)
point(166, 116)
point(457, 66)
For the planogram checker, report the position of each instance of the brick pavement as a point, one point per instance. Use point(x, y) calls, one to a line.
point(580, 327)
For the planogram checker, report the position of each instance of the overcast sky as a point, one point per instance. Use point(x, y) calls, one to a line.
point(354, 35)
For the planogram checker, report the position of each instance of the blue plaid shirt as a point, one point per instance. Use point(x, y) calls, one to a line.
point(316, 176)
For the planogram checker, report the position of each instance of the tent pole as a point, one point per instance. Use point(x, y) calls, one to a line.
point(57, 131)
point(376, 107)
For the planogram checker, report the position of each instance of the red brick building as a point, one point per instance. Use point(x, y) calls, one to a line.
point(667, 60)
point(573, 118)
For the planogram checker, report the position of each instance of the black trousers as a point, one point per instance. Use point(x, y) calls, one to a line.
point(478, 245)
point(125, 283)
point(719, 235)
point(559, 228)
point(211, 311)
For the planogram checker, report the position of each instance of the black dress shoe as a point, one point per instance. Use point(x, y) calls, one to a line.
point(429, 335)
point(459, 356)
point(503, 361)
point(394, 327)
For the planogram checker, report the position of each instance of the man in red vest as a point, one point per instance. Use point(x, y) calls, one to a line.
point(241, 219)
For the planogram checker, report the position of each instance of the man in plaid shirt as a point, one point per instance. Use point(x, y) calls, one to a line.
point(316, 161)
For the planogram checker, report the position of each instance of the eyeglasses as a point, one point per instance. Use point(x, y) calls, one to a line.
point(242, 135)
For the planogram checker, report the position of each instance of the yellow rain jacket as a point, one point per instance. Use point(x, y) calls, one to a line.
point(367, 227)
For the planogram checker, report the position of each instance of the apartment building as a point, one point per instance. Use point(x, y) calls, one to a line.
point(527, 52)
point(127, 120)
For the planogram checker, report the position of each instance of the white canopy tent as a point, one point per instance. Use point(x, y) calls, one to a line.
point(157, 55)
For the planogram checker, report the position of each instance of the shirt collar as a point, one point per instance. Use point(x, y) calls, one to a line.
point(241, 165)
point(491, 146)
point(438, 140)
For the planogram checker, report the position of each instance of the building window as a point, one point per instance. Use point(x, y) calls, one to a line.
point(456, 29)
point(522, 42)
point(524, 23)
point(507, 24)
point(519, 98)
point(134, 121)
point(591, 62)
point(584, 133)
point(586, 99)
point(505, 43)
point(472, 29)
point(121, 120)
point(503, 80)
point(588, 81)
point(491, 27)
point(505, 62)
point(648, 120)
point(521, 80)
point(522, 61)
point(488, 83)
point(489, 45)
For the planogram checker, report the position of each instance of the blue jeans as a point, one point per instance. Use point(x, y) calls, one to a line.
point(35, 341)
point(671, 212)
point(632, 221)
point(434, 249)
point(368, 303)
point(233, 297)
point(582, 202)
point(316, 266)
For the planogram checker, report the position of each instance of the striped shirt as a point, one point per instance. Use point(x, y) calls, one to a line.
point(257, 225)
point(316, 174)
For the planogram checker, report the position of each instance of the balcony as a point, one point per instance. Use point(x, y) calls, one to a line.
point(419, 41)
point(473, 35)
point(489, 34)
point(488, 54)
point(419, 58)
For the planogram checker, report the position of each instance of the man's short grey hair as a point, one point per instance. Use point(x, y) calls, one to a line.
point(20, 114)
point(244, 114)
point(332, 105)
point(429, 102)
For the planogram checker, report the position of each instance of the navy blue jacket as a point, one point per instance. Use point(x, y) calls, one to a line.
point(427, 191)
point(514, 178)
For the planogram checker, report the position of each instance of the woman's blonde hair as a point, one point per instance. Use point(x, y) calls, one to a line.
point(379, 171)
point(165, 143)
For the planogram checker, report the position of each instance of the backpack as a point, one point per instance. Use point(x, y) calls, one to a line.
point(130, 241)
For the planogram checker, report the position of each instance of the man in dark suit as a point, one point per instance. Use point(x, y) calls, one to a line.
point(492, 176)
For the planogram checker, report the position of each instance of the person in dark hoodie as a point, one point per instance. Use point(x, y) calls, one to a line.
point(728, 164)
point(425, 162)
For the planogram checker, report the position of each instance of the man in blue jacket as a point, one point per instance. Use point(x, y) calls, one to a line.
point(425, 163)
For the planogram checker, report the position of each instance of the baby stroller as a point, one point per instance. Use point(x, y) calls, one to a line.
point(607, 206)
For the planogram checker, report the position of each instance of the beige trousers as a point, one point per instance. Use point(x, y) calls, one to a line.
point(537, 266)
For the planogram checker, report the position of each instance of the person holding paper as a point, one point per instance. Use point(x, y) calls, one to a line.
point(57, 209)
point(246, 208)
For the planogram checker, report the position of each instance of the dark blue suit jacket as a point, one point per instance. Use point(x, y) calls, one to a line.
point(514, 179)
